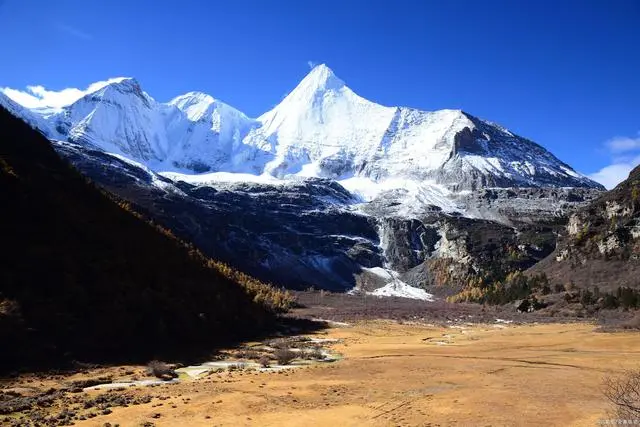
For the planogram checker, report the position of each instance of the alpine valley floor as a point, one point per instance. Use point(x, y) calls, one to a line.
point(398, 374)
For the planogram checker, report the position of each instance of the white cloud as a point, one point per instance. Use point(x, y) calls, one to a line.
point(623, 144)
point(41, 97)
point(624, 153)
point(612, 175)
point(311, 64)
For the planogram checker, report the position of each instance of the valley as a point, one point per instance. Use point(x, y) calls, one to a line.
point(390, 373)
point(203, 223)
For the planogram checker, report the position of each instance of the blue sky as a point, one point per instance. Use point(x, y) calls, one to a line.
point(565, 74)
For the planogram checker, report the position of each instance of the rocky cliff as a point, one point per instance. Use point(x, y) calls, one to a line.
point(600, 246)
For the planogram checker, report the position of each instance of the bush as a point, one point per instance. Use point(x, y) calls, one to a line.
point(284, 356)
point(315, 354)
point(633, 323)
point(265, 361)
point(161, 370)
point(240, 366)
point(624, 395)
point(247, 354)
point(586, 297)
point(279, 343)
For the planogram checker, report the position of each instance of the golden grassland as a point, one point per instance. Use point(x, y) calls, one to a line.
point(411, 375)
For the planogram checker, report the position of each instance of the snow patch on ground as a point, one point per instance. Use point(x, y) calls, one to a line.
point(403, 290)
point(222, 177)
point(396, 287)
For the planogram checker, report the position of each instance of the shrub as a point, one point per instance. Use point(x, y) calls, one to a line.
point(239, 366)
point(284, 356)
point(610, 301)
point(247, 354)
point(586, 297)
point(161, 370)
point(633, 323)
point(281, 343)
point(265, 361)
point(316, 354)
point(624, 395)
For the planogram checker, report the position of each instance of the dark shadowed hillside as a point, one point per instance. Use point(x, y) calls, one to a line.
point(601, 245)
point(84, 278)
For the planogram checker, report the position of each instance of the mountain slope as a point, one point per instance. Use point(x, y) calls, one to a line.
point(211, 137)
point(601, 246)
point(34, 119)
point(81, 278)
point(321, 129)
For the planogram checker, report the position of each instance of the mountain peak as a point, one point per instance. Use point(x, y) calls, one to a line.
point(121, 88)
point(321, 77)
point(199, 105)
point(192, 98)
point(196, 105)
point(124, 83)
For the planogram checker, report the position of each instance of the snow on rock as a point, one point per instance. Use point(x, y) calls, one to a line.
point(323, 122)
point(396, 287)
point(211, 137)
point(321, 129)
point(221, 177)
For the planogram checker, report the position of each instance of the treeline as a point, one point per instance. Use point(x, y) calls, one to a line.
point(274, 299)
point(517, 286)
point(623, 297)
point(514, 286)
point(83, 277)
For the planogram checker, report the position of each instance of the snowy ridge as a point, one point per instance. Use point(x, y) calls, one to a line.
point(321, 129)
point(32, 118)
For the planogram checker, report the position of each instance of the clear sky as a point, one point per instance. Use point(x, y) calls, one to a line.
point(563, 73)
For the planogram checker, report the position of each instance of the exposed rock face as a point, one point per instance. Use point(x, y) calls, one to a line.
point(312, 233)
point(298, 235)
point(600, 245)
point(407, 242)
point(526, 205)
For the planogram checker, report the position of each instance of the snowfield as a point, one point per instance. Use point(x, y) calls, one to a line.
point(401, 289)
point(396, 287)
point(320, 129)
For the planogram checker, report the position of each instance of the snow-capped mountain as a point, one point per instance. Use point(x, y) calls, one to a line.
point(280, 196)
point(211, 136)
point(321, 129)
point(119, 118)
point(192, 132)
